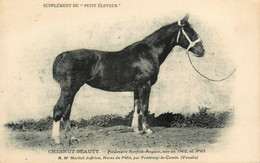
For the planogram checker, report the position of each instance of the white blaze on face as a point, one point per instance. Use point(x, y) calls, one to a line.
point(56, 131)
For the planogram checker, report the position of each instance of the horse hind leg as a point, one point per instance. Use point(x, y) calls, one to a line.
point(57, 115)
point(56, 131)
point(63, 108)
point(66, 119)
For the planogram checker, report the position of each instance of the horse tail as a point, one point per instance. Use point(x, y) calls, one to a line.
point(54, 68)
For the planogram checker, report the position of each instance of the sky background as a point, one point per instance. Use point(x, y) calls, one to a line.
point(30, 47)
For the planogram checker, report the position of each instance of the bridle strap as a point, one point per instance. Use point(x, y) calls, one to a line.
point(191, 43)
point(178, 36)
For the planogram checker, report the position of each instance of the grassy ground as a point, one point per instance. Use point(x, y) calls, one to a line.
point(118, 137)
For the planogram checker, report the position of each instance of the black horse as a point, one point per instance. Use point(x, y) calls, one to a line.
point(134, 68)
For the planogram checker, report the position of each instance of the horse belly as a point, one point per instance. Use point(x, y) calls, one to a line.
point(113, 82)
point(113, 76)
point(113, 73)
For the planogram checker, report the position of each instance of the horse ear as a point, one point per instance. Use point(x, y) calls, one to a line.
point(186, 17)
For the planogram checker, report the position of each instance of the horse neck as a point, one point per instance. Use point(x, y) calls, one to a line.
point(163, 41)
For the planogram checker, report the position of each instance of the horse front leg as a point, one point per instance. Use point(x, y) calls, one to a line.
point(144, 94)
point(136, 115)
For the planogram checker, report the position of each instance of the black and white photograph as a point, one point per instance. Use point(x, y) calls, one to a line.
point(129, 81)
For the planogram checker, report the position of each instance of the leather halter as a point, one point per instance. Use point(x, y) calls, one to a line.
point(191, 43)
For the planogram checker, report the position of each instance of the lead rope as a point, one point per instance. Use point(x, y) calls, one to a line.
point(193, 43)
point(214, 80)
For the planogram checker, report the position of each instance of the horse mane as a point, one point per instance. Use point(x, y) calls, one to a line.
point(158, 33)
point(155, 37)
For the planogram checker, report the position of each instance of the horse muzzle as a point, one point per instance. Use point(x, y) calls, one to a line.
point(198, 52)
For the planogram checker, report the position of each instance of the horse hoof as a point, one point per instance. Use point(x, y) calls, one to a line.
point(56, 140)
point(149, 132)
point(137, 131)
point(73, 140)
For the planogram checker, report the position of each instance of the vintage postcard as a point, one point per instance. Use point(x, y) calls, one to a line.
point(121, 80)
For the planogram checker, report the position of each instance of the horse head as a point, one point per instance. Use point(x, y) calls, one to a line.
point(187, 38)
